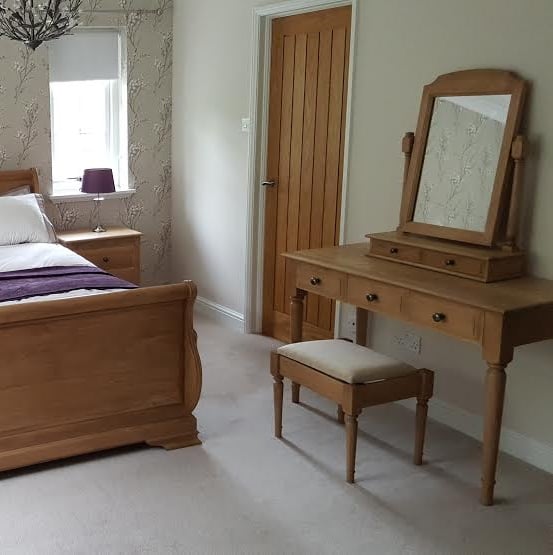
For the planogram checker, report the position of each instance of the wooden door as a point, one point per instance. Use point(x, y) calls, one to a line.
point(307, 113)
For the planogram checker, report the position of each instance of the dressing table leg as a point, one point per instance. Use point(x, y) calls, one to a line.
point(296, 316)
point(361, 325)
point(296, 331)
point(495, 395)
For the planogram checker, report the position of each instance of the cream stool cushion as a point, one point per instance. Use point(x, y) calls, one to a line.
point(345, 361)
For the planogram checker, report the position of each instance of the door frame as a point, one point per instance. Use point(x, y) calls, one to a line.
point(258, 143)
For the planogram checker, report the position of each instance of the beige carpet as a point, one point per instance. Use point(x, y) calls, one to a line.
point(245, 492)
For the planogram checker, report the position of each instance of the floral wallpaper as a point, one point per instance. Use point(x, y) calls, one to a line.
point(459, 168)
point(25, 125)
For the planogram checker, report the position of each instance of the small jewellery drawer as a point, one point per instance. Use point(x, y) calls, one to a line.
point(394, 251)
point(373, 295)
point(448, 317)
point(109, 257)
point(452, 263)
point(321, 281)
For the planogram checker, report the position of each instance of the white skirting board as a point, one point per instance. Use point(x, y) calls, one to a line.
point(529, 450)
point(226, 316)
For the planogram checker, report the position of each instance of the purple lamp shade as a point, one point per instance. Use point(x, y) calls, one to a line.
point(98, 181)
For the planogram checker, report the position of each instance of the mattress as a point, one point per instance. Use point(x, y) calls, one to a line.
point(44, 255)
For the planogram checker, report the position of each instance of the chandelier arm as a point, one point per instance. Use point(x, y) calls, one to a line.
point(16, 33)
point(32, 20)
point(45, 19)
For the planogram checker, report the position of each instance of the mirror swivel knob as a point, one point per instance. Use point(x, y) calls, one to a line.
point(315, 281)
point(438, 317)
point(106, 259)
point(372, 297)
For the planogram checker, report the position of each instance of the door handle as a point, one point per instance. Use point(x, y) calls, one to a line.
point(268, 183)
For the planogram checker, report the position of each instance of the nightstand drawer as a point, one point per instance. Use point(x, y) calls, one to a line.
point(109, 258)
point(128, 274)
point(116, 251)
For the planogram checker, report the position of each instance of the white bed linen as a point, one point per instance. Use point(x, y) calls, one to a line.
point(28, 256)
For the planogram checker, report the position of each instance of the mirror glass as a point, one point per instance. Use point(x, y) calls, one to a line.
point(460, 161)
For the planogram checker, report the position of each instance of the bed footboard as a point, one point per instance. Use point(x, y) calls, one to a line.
point(92, 373)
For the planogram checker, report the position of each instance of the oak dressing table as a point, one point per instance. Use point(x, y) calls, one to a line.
point(464, 218)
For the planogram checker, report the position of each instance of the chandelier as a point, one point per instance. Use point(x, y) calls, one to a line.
point(34, 24)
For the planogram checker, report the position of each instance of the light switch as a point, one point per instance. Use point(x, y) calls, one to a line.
point(246, 125)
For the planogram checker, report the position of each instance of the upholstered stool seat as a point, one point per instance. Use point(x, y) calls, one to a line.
point(354, 377)
point(345, 361)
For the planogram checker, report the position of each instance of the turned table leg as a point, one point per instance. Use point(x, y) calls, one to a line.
point(296, 316)
point(296, 329)
point(361, 325)
point(495, 395)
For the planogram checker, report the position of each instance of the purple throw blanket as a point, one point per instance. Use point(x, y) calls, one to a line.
point(22, 284)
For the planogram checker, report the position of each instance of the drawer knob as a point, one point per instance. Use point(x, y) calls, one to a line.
point(450, 262)
point(106, 259)
point(315, 280)
point(394, 250)
point(438, 317)
point(372, 297)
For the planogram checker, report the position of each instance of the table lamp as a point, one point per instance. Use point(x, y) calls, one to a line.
point(98, 181)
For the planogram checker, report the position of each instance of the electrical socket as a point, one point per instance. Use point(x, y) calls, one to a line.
point(409, 341)
point(351, 324)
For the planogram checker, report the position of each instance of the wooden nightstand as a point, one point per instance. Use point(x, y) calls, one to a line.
point(117, 250)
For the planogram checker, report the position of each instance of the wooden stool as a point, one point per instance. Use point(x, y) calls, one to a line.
point(354, 377)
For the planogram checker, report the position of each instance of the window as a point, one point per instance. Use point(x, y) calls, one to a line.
point(88, 107)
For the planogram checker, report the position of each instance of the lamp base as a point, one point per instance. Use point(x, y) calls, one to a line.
point(99, 229)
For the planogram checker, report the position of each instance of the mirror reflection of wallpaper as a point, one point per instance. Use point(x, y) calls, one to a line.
point(25, 125)
point(460, 164)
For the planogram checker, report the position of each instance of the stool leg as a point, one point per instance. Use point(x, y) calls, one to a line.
point(340, 414)
point(422, 411)
point(351, 446)
point(278, 393)
point(295, 392)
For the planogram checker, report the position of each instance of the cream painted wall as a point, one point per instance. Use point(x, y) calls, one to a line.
point(401, 46)
point(212, 45)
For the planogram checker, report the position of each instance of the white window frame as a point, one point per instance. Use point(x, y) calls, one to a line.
point(69, 189)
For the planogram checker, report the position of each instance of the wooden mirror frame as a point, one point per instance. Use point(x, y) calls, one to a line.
point(466, 83)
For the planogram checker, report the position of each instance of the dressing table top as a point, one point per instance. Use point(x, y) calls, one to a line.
point(504, 296)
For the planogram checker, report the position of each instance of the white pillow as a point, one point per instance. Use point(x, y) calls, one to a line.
point(26, 190)
point(22, 221)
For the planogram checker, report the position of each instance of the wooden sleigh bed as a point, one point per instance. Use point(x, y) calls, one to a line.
point(90, 373)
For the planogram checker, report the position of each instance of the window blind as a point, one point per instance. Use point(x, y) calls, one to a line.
point(87, 55)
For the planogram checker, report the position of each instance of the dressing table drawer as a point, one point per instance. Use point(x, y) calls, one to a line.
point(394, 251)
point(472, 262)
point(374, 295)
point(321, 281)
point(461, 321)
point(452, 263)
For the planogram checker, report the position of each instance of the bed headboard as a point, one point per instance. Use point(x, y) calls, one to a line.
point(18, 178)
